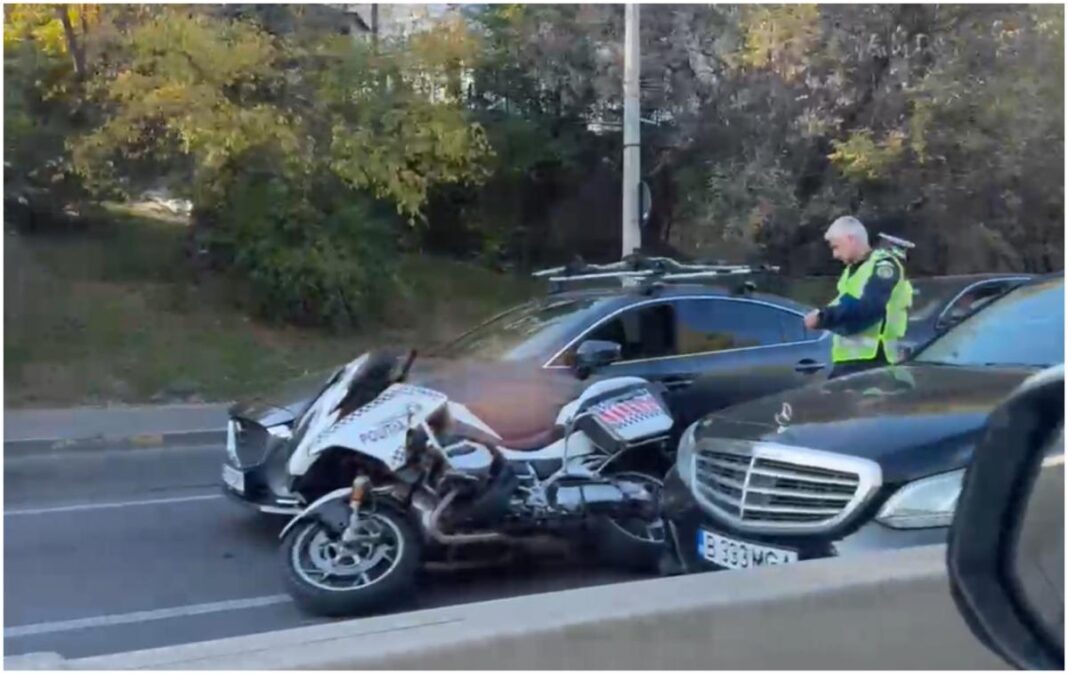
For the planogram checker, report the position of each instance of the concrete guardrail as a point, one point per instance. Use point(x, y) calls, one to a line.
point(889, 610)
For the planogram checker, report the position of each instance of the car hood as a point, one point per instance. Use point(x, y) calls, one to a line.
point(286, 402)
point(913, 420)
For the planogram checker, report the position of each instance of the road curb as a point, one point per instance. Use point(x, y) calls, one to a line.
point(37, 447)
point(35, 661)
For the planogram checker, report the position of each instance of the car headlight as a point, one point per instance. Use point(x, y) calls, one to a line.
point(283, 431)
point(929, 502)
point(684, 460)
point(231, 442)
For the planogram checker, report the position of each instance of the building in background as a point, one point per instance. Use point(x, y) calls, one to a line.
point(397, 20)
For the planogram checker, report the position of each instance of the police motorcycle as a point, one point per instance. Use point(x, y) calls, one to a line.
point(396, 473)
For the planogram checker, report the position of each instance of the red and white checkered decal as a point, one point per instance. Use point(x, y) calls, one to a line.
point(620, 413)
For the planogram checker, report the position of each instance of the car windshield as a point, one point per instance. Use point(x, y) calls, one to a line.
point(527, 331)
point(1026, 327)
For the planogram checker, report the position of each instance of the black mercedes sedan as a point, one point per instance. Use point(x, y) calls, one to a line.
point(869, 461)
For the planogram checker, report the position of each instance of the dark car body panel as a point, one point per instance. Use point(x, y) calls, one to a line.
point(912, 420)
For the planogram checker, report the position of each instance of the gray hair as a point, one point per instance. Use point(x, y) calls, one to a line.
point(847, 225)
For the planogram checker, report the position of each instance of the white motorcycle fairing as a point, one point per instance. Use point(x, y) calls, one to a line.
point(323, 413)
point(567, 412)
point(377, 429)
point(578, 445)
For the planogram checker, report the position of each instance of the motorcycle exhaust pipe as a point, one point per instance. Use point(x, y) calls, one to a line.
point(433, 528)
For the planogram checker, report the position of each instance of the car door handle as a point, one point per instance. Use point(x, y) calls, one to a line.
point(676, 382)
point(808, 366)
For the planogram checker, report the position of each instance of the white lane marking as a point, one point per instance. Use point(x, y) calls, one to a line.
point(102, 506)
point(143, 616)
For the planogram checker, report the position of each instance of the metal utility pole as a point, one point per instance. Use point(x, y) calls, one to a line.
point(374, 25)
point(632, 233)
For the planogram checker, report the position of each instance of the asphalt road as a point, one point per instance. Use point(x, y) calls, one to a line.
point(107, 552)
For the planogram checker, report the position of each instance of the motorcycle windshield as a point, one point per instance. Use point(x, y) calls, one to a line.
point(323, 411)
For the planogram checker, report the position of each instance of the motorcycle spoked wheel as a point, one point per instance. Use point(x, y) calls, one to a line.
point(328, 577)
point(631, 543)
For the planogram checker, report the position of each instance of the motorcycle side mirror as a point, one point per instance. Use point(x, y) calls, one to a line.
point(1006, 545)
point(594, 354)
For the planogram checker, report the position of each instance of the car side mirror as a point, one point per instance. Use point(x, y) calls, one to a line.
point(595, 354)
point(1006, 545)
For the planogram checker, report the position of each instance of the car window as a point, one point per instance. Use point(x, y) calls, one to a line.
point(647, 331)
point(528, 331)
point(793, 327)
point(707, 325)
point(1024, 327)
point(929, 296)
point(973, 298)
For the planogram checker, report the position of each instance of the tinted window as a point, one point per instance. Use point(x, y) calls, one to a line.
point(973, 298)
point(644, 332)
point(793, 328)
point(929, 296)
point(1025, 327)
point(528, 331)
point(716, 325)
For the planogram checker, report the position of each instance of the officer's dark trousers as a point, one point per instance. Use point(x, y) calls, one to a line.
point(854, 366)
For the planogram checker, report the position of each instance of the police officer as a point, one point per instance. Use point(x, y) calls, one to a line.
point(870, 314)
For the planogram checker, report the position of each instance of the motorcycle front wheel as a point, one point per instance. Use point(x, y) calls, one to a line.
point(329, 577)
point(632, 543)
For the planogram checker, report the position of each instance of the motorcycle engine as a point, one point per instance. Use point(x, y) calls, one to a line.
point(470, 458)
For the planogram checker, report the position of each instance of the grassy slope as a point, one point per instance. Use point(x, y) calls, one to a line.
point(114, 316)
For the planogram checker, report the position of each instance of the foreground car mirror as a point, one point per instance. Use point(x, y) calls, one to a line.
point(595, 354)
point(1006, 546)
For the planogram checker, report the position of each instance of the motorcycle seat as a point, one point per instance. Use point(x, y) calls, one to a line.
point(519, 404)
point(522, 427)
point(534, 441)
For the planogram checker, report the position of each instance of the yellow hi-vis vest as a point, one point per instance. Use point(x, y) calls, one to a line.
point(864, 345)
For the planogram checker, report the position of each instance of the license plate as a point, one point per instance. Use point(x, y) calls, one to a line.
point(234, 478)
point(735, 554)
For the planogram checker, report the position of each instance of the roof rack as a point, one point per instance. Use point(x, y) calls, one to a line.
point(645, 272)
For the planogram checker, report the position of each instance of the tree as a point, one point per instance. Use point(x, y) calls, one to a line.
point(292, 143)
point(920, 118)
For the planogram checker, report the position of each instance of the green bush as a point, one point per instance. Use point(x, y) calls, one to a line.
point(314, 251)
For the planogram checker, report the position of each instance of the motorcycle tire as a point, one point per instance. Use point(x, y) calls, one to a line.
point(620, 548)
point(391, 587)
